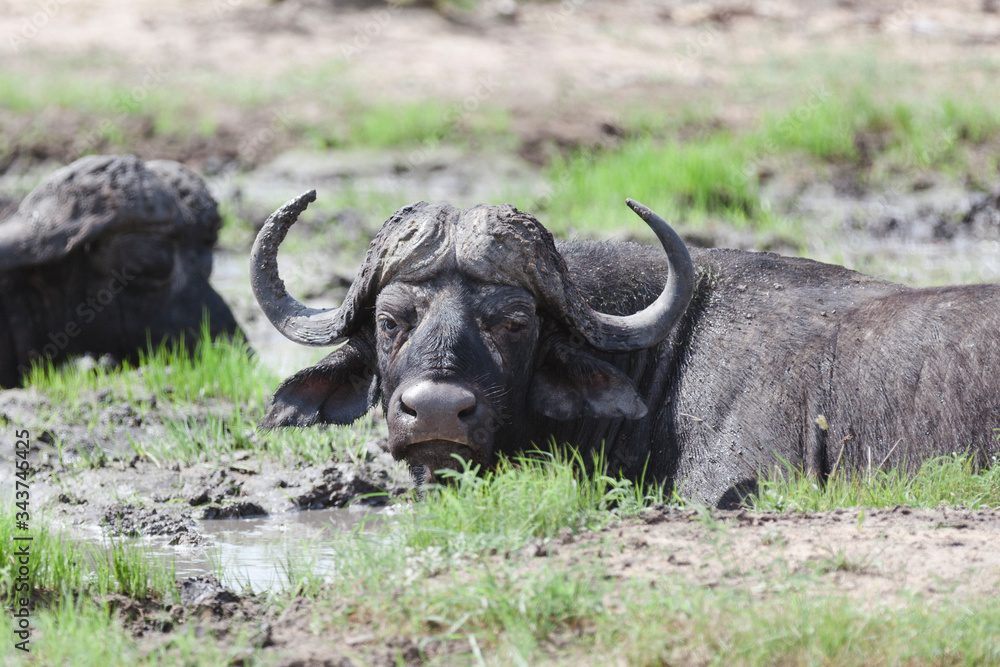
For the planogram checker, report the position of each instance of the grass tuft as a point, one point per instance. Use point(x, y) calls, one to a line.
point(717, 173)
point(686, 181)
point(956, 480)
point(61, 567)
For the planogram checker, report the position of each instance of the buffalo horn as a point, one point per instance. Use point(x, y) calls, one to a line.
point(649, 326)
point(296, 321)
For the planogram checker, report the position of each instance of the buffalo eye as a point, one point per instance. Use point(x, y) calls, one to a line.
point(511, 328)
point(516, 327)
point(391, 325)
point(388, 325)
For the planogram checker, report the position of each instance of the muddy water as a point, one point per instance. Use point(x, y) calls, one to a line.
point(438, 173)
point(256, 553)
point(940, 235)
point(252, 555)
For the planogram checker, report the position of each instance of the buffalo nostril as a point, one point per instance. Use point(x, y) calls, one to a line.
point(437, 402)
point(404, 408)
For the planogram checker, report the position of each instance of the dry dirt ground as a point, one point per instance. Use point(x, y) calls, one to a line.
point(565, 70)
point(871, 554)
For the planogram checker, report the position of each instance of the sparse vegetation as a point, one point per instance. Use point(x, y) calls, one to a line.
point(683, 181)
point(715, 174)
point(219, 374)
point(460, 571)
point(62, 568)
point(957, 480)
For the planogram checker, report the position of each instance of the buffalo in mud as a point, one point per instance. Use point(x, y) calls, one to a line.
point(480, 335)
point(107, 255)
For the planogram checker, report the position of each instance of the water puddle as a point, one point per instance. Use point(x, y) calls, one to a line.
point(261, 553)
point(257, 554)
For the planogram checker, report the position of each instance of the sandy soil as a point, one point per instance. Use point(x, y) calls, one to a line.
point(869, 554)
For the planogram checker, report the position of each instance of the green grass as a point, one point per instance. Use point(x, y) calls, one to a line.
point(386, 571)
point(453, 568)
point(527, 497)
point(521, 499)
point(219, 376)
point(59, 567)
point(168, 372)
point(554, 614)
point(713, 175)
point(948, 480)
point(116, 107)
point(581, 615)
point(681, 181)
point(193, 439)
point(903, 134)
point(107, 109)
point(82, 631)
point(678, 623)
point(73, 632)
point(407, 124)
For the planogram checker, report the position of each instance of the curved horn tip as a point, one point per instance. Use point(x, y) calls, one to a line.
point(282, 219)
point(300, 203)
point(641, 210)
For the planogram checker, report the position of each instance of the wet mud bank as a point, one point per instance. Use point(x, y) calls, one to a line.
point(873, 558)
point(90, 471)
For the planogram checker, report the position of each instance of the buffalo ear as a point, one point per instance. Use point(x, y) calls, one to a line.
point(337, 390)
point(571, 383)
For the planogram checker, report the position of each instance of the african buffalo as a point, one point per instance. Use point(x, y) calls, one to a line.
point(481, 335)
point(107, 254)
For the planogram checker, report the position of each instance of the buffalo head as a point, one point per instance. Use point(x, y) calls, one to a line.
point(463, 322)
point(104, 256)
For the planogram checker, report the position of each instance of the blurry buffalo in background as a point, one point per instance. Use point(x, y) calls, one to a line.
point(107, 255)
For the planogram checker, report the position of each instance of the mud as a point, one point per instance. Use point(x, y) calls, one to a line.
point(877, 558)
point(86, 472)
point(869, 555)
